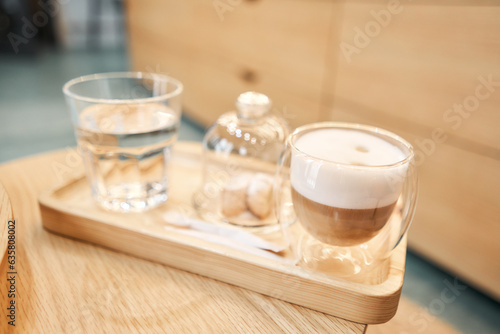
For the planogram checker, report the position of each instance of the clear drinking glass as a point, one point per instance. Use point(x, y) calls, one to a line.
point(345, 195)
point(125, 125)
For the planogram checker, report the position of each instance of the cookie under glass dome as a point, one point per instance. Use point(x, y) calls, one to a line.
point(240, 152)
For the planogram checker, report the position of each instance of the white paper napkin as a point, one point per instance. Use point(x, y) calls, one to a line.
point(223, 235)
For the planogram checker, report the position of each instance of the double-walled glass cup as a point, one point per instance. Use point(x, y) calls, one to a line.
point(125, 125)
point(345, 196)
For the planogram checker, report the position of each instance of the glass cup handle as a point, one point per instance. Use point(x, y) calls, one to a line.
point(409, 198)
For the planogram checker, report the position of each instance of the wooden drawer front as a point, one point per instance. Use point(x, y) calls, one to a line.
point(277, 47)
point(431, 65)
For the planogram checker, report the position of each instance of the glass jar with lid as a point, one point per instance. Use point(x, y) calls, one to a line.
point(240, 152)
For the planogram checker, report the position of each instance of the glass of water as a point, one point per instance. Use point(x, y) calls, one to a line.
point(125, 125)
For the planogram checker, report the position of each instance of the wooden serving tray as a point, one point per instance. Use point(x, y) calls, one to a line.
point(69, 210)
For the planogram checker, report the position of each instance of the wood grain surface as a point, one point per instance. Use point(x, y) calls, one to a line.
point(67, 286)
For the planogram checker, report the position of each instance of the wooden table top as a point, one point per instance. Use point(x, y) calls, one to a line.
point(67, 286)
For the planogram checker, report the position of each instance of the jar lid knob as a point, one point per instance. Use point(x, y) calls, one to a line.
point(252, 105)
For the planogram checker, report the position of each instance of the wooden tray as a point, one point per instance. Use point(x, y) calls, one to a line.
point(70, 211)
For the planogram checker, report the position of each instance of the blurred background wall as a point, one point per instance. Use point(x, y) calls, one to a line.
point(43, 44)
point(27, 26)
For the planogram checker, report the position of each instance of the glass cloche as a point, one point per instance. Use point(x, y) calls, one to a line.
point(240, 152)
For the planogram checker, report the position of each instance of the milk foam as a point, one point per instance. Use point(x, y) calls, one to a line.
point(330, 181)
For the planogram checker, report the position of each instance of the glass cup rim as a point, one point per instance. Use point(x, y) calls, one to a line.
point(352, 126)
point(123, 75)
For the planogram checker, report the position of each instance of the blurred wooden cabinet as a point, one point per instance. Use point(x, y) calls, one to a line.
point(429, 71)
point(278, 47)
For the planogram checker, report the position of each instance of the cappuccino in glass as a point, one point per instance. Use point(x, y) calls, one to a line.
point(345, 183)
